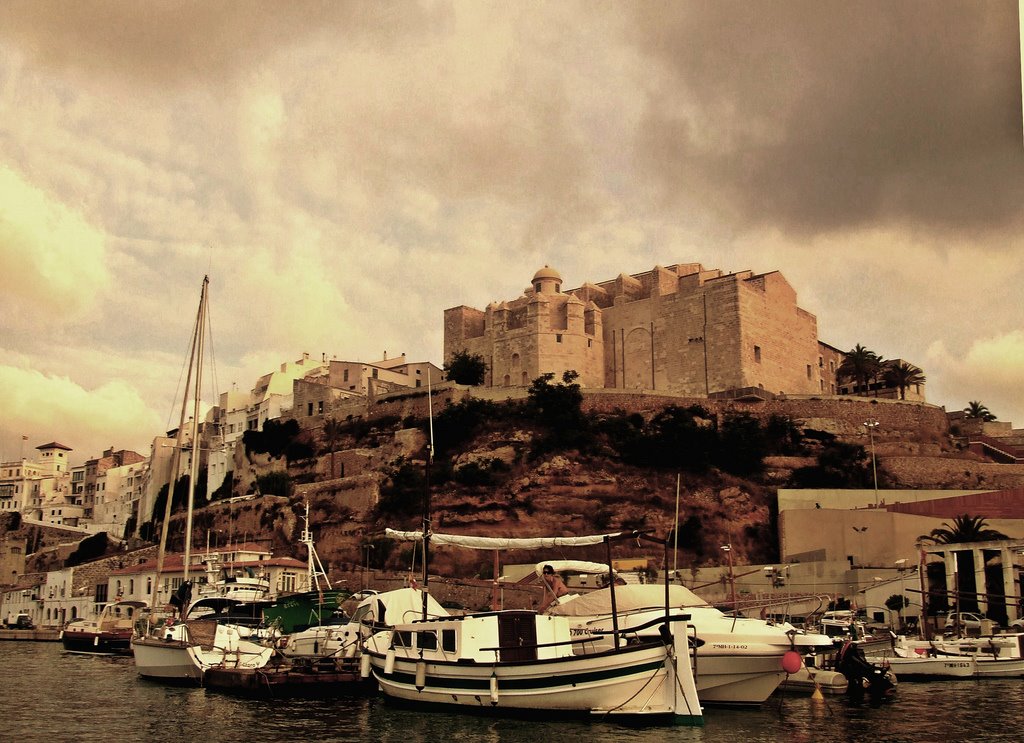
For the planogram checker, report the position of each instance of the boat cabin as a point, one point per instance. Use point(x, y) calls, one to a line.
point(505, 636)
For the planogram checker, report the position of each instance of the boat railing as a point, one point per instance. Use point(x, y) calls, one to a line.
point(594, 635)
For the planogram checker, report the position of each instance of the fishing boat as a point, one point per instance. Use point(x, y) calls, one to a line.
point(318, 678)
point(310, 609)
point(110, 634)
point(524, 662)
point(736, 660)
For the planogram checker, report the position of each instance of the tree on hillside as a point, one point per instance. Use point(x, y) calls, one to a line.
point(975, 409)
point(964, 529)
point(861, 366)
point(557, 407)
point(839, 465)
point(466, 368)
point(902, 376)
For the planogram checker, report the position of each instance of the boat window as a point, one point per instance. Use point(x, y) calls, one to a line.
point(401, 639)
point(426, 640)
point(448, 640)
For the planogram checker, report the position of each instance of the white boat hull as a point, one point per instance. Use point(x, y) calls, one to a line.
point(166, 660)
point(635, 683)
point(177, 656)
point(932, 668)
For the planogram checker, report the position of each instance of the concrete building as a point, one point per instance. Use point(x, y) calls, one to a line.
point(95, 469)
point(680, 329)
point(119, 491)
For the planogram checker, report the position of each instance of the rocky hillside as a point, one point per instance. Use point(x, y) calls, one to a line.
point(562, 463)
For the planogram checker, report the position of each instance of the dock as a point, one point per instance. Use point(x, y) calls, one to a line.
point(50, 634)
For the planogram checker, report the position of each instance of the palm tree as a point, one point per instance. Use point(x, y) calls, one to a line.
point(332, 432)
point(860, 365)
point(975, 409)
point(964, 529)
point(901, 375)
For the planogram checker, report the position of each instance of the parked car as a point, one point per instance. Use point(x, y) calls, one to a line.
point(965, 620)
point(24, 621)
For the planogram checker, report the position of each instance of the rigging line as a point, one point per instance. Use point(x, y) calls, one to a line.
point(215, 383)
point(181, 373)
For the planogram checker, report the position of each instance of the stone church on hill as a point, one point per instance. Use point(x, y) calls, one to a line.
point(680, 329)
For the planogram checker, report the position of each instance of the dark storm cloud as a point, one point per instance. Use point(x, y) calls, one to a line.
point(819, 116)
point(188, 42)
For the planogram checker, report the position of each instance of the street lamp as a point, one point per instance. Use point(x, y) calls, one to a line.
point(860, 530)
point(727, 548)
point(871, 425)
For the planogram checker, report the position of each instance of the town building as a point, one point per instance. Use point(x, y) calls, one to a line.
point(680, 329)
point(27, 485)
point(134, 582)
point(341, 383)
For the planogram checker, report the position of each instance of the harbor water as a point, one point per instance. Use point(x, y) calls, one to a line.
point(50, 695)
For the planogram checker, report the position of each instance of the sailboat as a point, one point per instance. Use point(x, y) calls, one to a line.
point(177, 651)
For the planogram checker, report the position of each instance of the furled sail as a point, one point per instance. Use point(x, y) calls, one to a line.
point(504, 543)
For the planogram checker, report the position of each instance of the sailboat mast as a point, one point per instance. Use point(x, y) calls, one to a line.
point(175, 462)
point(194, 470)
point(426, 496)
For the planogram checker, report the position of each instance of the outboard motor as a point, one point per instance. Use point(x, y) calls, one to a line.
point(863, 677)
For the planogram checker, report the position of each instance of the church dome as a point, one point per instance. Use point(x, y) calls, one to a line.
point(547, 273)
point(547, 281)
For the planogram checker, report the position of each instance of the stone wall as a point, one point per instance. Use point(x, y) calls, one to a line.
point(842, 416)
point(964, 473)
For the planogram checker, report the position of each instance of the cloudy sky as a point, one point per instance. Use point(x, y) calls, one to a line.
point(346, 171)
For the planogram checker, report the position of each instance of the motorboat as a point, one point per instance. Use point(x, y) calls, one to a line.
point(988, 656)
point(180, 652)
point(109, 634)
point(736, 661)
point(374, 612)
point(323, 660)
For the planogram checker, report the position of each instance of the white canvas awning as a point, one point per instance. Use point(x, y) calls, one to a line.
point(503, 543)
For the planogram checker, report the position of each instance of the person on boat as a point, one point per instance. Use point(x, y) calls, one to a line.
point(554, 587)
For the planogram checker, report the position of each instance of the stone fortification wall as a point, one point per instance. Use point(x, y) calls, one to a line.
point(925, 471)
point(91, 574)
point(841, 416)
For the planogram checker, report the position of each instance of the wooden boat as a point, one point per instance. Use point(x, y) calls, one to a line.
point(521, 661)
point(110, 634)
point(319, 678)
